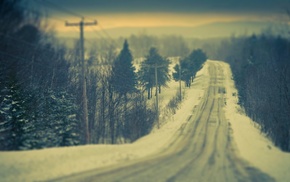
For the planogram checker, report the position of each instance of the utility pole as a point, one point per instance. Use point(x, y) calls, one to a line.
point(180, 96)
point(85, 119)
point(156, 84)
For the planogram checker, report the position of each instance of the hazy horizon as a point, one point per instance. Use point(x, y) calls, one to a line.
point(211, 30)
point(117, 17)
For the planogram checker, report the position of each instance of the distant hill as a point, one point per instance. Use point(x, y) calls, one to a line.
point(220, 29)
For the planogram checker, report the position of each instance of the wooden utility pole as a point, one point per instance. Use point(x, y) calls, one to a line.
point(156, 85)
point(156, 94)
point(180, 96)
point(85, 119)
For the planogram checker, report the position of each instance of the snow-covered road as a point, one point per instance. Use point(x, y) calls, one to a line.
point(209, 138)
point(202, 150)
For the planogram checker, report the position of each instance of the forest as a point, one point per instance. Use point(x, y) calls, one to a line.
point(260, 66)
point(42, 88)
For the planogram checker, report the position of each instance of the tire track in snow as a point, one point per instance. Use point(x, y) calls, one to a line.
point(202, 150)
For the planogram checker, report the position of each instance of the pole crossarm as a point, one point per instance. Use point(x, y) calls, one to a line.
point(82, 23)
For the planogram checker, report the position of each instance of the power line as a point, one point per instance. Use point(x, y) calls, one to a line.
point(97, 32)
point(32, 45)
point(27, 67)
point(19, 40)
point(70, 12)
point(38, 13)
point(59, 8)
point(62, 9)
point(101, 27)
point(65, 10)
point(54, 18)
point(33, 62)
point(22, 59)
point(102, 38)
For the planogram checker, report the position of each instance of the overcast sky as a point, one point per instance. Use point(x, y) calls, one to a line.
point(152, 13)
point(177, 6)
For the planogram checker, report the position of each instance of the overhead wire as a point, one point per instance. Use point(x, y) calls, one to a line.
point(67, 11)
point(18, 40)
point(97, 33)
point(45, 15)
point(70, 12)
point(73, 13)
point(41, 13)
point(59, 8)
point(31, 44)
point(62, 9)
point(101, 27)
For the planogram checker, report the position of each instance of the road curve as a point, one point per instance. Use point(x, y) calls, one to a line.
point(202, 152)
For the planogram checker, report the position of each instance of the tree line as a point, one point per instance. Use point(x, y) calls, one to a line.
point(168, 46)
point(260, 66)
point(189, 66)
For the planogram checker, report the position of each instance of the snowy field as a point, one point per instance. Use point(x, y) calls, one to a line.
point(51, 163)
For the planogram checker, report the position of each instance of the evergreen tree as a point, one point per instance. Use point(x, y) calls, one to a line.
point(185, 74)
point(13, 115)
point(54, 123)
point(147, 71)
point(11, 18)
point(190, 65)
point(196, 59)
point(36, 108)
point(123, 81)
point(63, 119)
point(123, 76)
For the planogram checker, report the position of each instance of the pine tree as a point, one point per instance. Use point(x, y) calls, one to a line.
point(64, 119)
point(123, 81)
point(54, 122)
point(33, 74)
point(196, 59)
point(123, 76)
point(13, 114)
point(185, 74)
point(190, 65)
point(147, 71)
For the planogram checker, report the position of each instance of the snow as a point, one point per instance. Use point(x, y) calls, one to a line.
point(251, 143)
point(39, 165)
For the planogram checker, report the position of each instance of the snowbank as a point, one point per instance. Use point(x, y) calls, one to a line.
point(51, 163)
point(251, 144)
